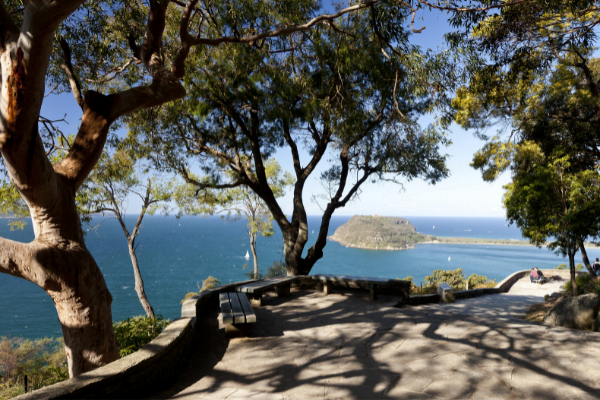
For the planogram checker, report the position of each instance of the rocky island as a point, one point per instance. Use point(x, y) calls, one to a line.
point(378, 233)
point(393, 233)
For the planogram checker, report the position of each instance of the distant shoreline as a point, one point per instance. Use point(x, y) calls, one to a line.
point(455, 240)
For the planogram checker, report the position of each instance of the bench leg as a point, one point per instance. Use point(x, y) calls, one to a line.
point(283, 290)
point(237, 330)
point(327, 288)
point(372, 293)
point(255, 299)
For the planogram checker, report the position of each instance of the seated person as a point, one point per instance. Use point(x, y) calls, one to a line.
point(534, 275)
point(539, 273)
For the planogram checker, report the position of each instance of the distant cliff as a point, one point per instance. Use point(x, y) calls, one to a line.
point(378, 233)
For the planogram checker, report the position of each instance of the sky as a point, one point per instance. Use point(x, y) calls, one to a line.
point(463, 194)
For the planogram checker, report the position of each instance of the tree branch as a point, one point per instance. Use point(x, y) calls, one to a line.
point(101, 111)
point(68, 68)
point(7, 26)
point(325, 18)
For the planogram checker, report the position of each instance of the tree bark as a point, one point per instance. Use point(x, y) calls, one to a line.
point(253, 248)
point(586, 260)
point(139, 283)
point(571, 254)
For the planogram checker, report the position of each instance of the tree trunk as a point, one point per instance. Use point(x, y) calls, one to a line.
point(139, 283)
point(59, 262)
point(586, 260)
point(253, 247)
point(571, 254)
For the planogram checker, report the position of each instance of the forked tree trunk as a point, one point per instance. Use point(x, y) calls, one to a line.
point(139, 283)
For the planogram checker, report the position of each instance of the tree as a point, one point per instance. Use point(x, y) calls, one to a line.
point(552, 204)
point(332, 91)
point(91, 49)
point(239, 200)
point(107, 189)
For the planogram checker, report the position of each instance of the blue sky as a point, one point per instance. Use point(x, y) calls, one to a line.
point(463, 194)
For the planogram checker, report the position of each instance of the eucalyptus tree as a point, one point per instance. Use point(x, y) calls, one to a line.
point(552, 203)
point(341, 92)
point(109, 188)
point(237, 201)
point(110, 56)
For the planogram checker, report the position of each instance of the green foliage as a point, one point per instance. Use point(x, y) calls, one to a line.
point(210, 283)
point(454, 278)
point(561, 266)
point(585, 285)
point(136, 332)
point(278, 268)
point(43, 361)
point(579, 267)
point(480, 281)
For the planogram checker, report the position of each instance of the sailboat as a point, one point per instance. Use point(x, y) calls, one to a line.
point(448, 258)
point(434, 227)
point(247, 255)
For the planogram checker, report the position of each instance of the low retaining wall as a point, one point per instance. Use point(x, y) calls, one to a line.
point(502, 287)
point(129, 377)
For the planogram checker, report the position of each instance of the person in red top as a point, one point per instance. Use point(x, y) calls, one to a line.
point(534, 275)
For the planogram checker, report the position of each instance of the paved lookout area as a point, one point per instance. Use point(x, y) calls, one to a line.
point(343, 346)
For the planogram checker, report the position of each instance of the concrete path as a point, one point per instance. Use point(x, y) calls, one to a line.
point(343, 346)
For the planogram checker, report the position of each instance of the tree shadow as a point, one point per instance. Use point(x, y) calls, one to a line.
point(345, 346)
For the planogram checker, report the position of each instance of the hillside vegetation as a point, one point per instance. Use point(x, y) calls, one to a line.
point(375, 232)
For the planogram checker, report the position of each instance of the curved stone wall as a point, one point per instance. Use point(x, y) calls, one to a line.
point(128, 377)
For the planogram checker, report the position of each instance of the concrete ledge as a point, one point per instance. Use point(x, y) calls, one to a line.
point(132, 376)
point(128, 376)
point(505, 285)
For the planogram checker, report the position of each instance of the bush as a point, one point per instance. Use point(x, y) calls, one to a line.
point(579, 267)
point(134, 333)
point(208, 283)
point(454, 278)
point(585, 285)
point(561, 266)
point(43, 361)
point(277, 269)
point(480, 282)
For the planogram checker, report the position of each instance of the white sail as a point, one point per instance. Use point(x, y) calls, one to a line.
point(448, 258)
point(247, 255)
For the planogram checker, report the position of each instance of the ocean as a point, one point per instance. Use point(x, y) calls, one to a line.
point(176, 255)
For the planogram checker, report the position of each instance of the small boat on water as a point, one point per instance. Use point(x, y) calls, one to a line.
point(247, 255)
point(448, 258)
point(433, 227)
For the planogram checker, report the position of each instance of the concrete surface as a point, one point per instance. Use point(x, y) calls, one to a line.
point(343, 346)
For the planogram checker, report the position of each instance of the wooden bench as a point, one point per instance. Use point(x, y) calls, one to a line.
point(255, 290)
point(374, 285)
point(236, 313)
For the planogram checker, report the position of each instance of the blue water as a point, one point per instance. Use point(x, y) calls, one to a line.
point(175, 255)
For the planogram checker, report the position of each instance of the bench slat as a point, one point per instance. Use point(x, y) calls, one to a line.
point(226, 314)
point(236, 307)
point(353, 279)
point(250, 316)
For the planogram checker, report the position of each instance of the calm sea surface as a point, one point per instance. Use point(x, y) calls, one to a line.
point(175, 255)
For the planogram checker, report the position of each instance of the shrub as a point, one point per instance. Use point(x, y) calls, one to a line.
point(561, 266)
point(43, 361)
point(585, 285)
point(208, 283)
point(134, 333)
point(480, 282)
point(579, 267)
point(277, 269)
point(454, 278)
